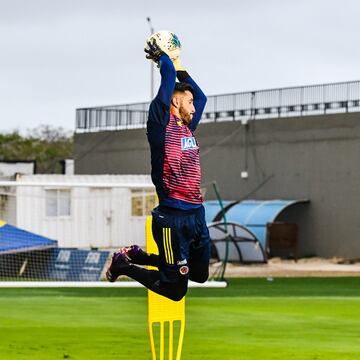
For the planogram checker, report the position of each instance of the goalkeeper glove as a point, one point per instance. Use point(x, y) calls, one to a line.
point(153, 51)
point(177, 65)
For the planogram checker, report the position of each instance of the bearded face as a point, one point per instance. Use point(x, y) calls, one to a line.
point(186, 107)
point(186, 115)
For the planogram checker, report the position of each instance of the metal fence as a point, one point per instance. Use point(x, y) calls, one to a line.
point(263, 104)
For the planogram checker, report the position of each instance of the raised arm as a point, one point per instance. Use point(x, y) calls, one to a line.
point(199, 97)
point(168, 78)
point(167, 71)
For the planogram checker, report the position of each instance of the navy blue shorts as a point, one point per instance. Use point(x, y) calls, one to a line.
point(182, 238)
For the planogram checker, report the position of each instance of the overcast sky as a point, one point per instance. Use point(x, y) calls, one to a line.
point(57, 55)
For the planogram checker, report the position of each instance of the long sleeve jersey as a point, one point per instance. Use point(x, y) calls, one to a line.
point(175, 154)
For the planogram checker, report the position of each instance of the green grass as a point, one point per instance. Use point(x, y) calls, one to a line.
point(312, 318)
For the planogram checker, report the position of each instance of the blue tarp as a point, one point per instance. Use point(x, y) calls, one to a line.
point(13, 239)
point(212, 208)
point(255, 214)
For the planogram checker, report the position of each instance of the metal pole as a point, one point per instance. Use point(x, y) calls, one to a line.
point(151, 64)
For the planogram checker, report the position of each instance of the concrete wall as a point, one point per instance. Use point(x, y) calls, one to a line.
point(315, 158)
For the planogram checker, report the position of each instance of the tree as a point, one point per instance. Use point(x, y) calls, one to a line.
point(45, 144)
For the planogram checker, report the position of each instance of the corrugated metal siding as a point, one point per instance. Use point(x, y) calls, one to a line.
point(100, 217)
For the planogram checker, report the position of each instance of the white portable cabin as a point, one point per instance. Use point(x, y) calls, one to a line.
point(102, 211)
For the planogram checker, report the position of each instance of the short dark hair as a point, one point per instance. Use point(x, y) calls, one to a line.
point(182, 87)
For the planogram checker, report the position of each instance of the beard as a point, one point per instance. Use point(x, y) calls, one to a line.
point(185, 116)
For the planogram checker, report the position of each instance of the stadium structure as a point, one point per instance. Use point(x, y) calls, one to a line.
point(298, 144)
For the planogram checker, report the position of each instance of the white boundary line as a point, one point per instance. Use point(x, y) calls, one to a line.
point(96, 284)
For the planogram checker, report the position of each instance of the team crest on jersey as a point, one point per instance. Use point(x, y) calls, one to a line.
point(188, 143)
point(184, 270)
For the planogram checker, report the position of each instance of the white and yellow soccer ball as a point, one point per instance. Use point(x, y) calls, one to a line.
point(168, 42)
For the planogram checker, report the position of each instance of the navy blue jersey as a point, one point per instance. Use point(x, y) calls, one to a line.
point(175, 158)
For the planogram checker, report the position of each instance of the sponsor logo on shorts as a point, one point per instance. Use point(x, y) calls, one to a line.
point(184, 270)
point(181, 262)
point(188, 143)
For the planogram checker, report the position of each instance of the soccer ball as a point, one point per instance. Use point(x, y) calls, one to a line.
point(168, 42)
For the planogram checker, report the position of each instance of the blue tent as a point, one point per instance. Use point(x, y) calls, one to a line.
point(13, 240)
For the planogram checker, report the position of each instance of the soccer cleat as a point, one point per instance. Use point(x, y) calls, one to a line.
point(135, 254)
point(119, 262)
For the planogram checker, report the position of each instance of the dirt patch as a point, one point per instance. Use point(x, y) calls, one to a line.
point(289, 268)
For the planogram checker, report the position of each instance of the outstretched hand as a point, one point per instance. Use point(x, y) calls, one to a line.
point(153, 51)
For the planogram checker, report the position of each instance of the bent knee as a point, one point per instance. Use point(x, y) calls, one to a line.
point(199, 271)
point(176, 297)
point(199, 278)
point(177, 291)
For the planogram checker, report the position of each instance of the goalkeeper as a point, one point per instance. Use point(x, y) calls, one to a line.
point(178, 223)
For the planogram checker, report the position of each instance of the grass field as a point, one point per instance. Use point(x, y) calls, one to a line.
point(300, 318)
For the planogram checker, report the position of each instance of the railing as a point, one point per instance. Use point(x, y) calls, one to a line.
point(274, 103)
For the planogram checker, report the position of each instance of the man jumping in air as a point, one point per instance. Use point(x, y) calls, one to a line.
point(178, 223)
